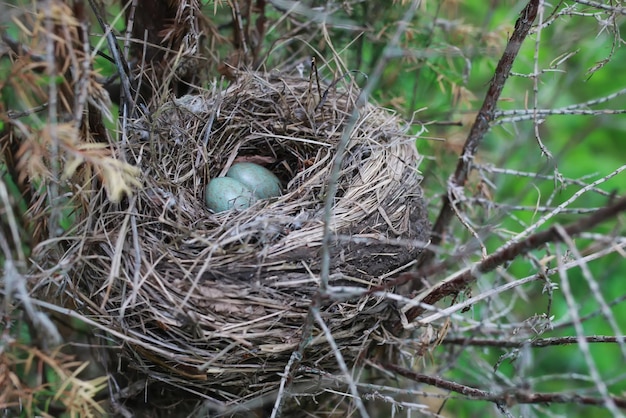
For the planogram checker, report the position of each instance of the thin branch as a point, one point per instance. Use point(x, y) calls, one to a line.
point(438, 313)
point(482, 123)
point(296, 357)
point(540, 342)
point(342, 364)
point(593, 287)
point(607, 401)
point(460, 281)
point(522, 115)
point(333, 181)
point(545, 218)
point(506, 397)
point(613, 9)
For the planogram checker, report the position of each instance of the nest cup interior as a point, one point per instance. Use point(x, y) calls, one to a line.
point(217, 302)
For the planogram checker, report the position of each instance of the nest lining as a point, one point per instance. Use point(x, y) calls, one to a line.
point(216, 303)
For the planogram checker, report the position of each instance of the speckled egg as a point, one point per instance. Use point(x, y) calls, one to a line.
point(259, 179)
point(225, 193)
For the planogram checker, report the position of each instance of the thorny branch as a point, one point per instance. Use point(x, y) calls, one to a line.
point(460, 281)
point(539, 342)
point(481, 124)
point(506, 397)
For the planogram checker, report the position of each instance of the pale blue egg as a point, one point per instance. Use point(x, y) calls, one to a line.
point(259, 179)
point(225, 193)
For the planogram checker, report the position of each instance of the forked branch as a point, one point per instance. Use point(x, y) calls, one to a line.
point(460, 281)
point(481, 124)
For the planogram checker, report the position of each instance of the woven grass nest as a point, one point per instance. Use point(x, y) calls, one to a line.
point(216, 303)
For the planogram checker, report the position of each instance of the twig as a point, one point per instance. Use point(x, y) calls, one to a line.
point(566, 203)
point(438, 313)
point(54, 219)
point(540, 342)
point(296, 357)
point(458, 282)
point(522, 115)
point(481, 124)
point(286, 380)
point(333, 180)
point(507, 397)
point(593, 287)
point(613, 9)
point(535, 79)
point(342, 364)
point(578, 326)
point(333, 184)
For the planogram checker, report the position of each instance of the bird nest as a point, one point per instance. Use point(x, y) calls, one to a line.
point(218, 303)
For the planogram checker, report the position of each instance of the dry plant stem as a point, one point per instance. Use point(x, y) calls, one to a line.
point(438, 313)
point(283, 381)
point(129, 27)
point(296, 357)
point(523, 115)
point(507, 253)
point(535, 78)
point(508, 397)
point(517, 115)
point(545, 218)
point(260, 25)
point(10, 223)
point(482, 123)
point(15, 284)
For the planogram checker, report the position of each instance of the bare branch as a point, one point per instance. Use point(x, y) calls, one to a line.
point(540, 342)
point(482, 123)
point(507, 397)
point(458, 282)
